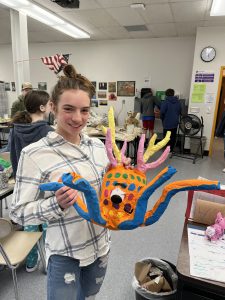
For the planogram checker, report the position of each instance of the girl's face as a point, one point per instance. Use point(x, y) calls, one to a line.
point(72, 112)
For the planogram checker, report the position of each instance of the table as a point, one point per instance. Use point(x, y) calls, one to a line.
point(6, 192)
point(193, 288)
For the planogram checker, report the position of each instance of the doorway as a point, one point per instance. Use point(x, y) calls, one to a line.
point(216, 149)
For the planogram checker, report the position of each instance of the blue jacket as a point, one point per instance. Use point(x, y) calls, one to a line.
point(23, 135)
point(170, 111)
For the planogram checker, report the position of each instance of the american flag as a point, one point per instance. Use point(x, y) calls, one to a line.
point(56, 62)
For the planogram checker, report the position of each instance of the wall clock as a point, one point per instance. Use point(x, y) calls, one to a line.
point(208, 54)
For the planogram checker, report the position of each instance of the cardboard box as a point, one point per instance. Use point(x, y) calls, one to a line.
point(205, 211)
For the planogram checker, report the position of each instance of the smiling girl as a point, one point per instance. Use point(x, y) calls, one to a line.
point(76, 250)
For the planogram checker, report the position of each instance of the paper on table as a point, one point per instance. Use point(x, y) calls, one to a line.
point(207, 259)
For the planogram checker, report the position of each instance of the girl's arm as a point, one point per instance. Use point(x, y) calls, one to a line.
point(30, 205)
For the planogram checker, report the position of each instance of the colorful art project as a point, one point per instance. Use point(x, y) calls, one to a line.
point(122, 204)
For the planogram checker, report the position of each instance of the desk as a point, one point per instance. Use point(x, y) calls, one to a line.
point(193, 288)
point(6, 192)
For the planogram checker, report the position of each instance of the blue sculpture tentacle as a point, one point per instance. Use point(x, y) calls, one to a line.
point(142, 203)
point(163, 205)
point(51, 186)
point(91, 197)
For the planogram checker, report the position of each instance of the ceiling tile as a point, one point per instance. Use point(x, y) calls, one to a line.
point(126, 16)
point(79, 20)
point(115, 3)
point(157, 13)
point(177, 1)
point(141, 34)
point(116, 31)
point(97, 17)
point(187, 28)
point(163, 30)
point(215, 22)
point(189, 11)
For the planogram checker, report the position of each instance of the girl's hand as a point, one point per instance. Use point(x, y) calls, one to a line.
point(66, 197)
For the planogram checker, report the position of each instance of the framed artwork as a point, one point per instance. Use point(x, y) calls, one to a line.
point(42, 86)
point(103, 102)
point(112, 96)
point(94, 103)
point(13, 86)
point(102, 85)
point(94, 83)
point(126, 88)
point(7, 86)
point(102, 95)
point(112, 87)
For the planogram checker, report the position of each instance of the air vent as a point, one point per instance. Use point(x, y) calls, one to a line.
point(136, 28)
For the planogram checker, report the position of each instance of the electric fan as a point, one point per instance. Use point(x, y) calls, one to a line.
point(190, 124)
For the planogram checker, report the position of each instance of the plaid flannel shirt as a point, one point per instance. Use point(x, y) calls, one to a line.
point(46, 160)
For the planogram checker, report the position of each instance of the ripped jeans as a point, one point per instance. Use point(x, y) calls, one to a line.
point(67, 280)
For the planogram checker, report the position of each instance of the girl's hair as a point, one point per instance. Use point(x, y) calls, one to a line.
point(71, 81)
point(32, 101)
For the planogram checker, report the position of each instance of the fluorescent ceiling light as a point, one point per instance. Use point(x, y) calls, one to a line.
point(218, 8)
point(72, 31)
point(138, 5)
point(45, 16)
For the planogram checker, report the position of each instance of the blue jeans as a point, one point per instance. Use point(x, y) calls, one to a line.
point(67, 280)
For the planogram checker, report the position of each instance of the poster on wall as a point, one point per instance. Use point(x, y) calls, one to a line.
point(204, 76)
point(209, 97)
point(147, 82)
point(198, 93)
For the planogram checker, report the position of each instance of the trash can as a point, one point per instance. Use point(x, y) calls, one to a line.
point(195, 145)
point(168, 273)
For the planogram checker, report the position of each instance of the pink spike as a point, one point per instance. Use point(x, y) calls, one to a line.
point(123, 150)
point(144, 167)
point(109, 149)
point(140, 152)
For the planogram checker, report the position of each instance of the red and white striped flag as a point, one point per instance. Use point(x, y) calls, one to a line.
point(56, 62)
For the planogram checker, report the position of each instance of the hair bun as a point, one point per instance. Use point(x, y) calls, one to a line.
point(69, 71)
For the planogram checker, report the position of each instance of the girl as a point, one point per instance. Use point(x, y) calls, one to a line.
point(30, 126)
point(76, 250)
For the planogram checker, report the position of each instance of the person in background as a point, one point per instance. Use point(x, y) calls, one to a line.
point(147, 106)
point(170, 112)
point(18, 105)
point(220, 132)
point(29, 126)
point(76, 250)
